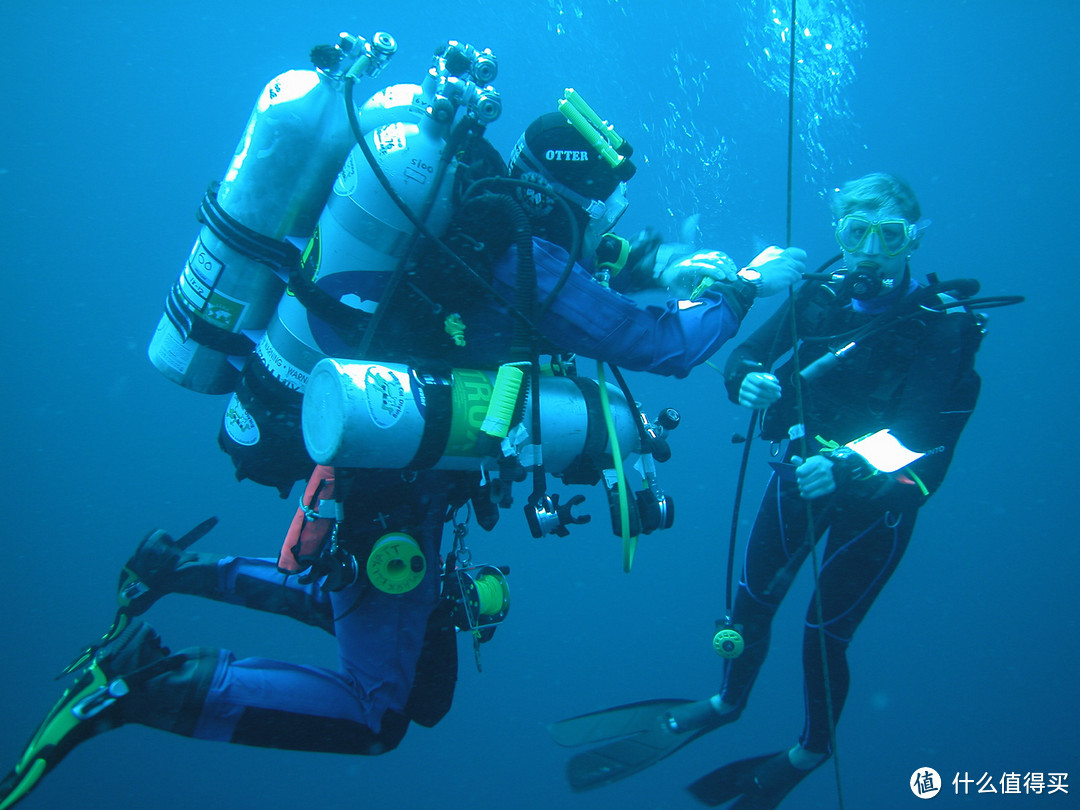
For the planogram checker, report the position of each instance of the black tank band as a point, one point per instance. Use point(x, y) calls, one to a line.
point(438, 403)
point(281, 257)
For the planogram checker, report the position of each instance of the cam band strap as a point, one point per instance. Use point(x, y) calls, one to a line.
point(277, 256)
point(437, 390)
point(281, 257)
point(347, 320)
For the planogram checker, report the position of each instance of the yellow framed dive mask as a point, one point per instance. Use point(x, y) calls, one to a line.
point(894, 235)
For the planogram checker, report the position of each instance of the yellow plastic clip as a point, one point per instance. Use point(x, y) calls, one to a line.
point(702, 286)
point(597, 133)
point(828, 444)
point(504, 397)
point(455, 328)
point(587, 112)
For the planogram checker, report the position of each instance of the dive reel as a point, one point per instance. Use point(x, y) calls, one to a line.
point(480, 598)
point(273, 191)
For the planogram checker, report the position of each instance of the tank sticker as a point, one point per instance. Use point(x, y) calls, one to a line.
point(385, 396)
point(224, 311)
point(419, 171)
point(390, 138)
point(170, 349)
point(414, 174)
point(345, 184)
point(310, 259)
point(471, 394)
point(201, 274)
point(239, 424)
point(282, 370)
point(419, 395)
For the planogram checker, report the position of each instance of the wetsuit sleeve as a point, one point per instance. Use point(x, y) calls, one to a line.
point(597, 322)
point(759, 351)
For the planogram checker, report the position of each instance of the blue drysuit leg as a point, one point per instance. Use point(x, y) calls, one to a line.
point(258, 701)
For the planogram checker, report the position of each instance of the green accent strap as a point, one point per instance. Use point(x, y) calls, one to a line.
point(629, 543)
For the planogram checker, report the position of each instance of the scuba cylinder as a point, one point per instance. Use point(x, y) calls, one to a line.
point(410, 143)
point(276, 184)
point(388, 415)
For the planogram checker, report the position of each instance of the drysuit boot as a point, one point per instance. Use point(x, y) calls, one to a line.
point(162, 565)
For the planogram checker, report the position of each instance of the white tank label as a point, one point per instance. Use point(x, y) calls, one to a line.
point(385, 396)
point(200, 275)
point(284, 372)
point(171, 350)
point(239, 424)
point(391, 138)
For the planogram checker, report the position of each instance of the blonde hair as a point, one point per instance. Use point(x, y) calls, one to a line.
point(876, 190)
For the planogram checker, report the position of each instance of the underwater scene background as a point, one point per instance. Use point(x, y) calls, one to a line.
point(118, 114)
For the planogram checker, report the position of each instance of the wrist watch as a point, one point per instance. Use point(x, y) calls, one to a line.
point(752, 277)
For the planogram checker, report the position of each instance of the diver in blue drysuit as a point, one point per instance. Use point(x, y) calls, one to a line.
point(397, 652)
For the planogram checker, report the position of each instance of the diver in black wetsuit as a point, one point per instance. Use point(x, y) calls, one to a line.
point(882, 418)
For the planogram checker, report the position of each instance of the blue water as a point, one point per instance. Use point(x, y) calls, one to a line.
point(117, 115)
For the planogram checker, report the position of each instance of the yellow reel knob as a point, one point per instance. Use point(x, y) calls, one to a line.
point(396, 563)
point(728, 643)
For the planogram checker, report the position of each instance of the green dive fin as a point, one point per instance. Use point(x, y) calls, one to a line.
point(649, 733)
point(88, 707)
point(70, 721)
point(759, 783)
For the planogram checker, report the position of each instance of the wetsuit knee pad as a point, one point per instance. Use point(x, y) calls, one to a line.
point(273, 728)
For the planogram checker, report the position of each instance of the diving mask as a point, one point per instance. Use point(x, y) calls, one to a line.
point(894, 235)
point(604, 214)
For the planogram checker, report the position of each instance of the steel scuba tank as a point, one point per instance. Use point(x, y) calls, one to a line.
point(274, 189)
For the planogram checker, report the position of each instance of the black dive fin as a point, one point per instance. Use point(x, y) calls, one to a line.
point(759, 783)
point(618, 721)
point(650, 731)
point(728, 782)
point(622, 758)
point(129, 580)
point(199, 531)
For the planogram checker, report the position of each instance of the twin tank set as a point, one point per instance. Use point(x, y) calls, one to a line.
point(303, 203)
